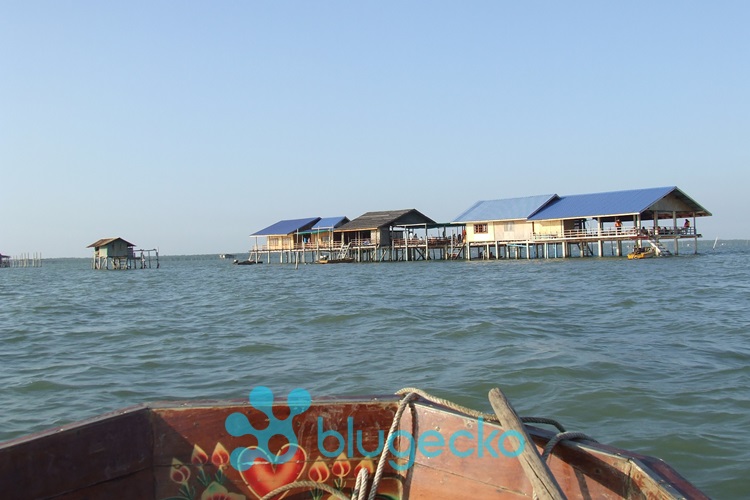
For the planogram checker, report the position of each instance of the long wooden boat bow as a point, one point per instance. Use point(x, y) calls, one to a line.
point(327, 448)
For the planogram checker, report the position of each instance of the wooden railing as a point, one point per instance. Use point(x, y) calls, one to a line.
point(623, 232)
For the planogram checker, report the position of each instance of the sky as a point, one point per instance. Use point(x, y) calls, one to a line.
point(187, 126)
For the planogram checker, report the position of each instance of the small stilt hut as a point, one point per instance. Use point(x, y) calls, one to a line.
point(117, 253)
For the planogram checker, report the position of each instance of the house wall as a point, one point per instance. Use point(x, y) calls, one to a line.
point(280, 242)
point(320, 239)
point(498, 231)
point(475, 232)
point(323, 238)
point(512, 230)
point(366, 236)
point(114, 249)
point(549, 227)
point(383, 236)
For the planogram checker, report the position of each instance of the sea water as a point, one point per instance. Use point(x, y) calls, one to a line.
point(652, 355)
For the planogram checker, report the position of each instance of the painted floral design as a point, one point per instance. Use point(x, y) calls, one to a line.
point(341, 468)
point(319, 471)
point(220, 456)
point(215, 491)
point(367, 464)
point(204, 478)
point(199, 456)
point(209, 476)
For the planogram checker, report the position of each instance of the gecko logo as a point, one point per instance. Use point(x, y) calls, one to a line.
point(488, 441)
point(238, 425)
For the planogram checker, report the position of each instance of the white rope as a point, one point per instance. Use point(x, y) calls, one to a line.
point(306, 484)
point(410, 393)
point(490, 417)
point(360, 486)
point(381, 462)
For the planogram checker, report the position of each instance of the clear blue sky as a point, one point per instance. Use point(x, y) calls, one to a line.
point(190, 125)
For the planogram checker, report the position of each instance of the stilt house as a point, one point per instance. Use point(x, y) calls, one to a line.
point(552, 225)
point(113, 253)
point(285, 235)
point(504, 221)
point(387, 235)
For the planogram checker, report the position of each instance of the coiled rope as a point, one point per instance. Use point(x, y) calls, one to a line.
point(411, 393)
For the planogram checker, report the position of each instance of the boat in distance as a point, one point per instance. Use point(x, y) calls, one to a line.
point(406, 446)
point(641, 253)
point(326, 259)
point(237, 262)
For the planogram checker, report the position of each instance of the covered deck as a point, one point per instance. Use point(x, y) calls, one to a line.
point(603, 224)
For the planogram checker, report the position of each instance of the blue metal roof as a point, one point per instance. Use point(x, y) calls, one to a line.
point(287, 226)
point(507, 209)
point(329, 222)
point(633, 201)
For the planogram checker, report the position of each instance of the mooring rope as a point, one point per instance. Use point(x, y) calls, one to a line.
point(490, 417)
point(409, 394)
point(542, 420)
point(307, 484)
point(562, 436)
point(360, 485)
point(448, 404)
point(383, 454)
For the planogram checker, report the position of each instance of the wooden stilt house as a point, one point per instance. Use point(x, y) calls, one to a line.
point(284, 239)
point(583, 225)
point(117, 253)
point(387, 235)
point(499, 228)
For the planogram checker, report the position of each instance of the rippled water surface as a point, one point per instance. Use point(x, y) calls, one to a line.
point(649, 355)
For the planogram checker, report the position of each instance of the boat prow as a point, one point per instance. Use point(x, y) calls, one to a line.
point(212, 449)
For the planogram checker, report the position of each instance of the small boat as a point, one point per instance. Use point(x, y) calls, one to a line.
point(245, 262)
point(408, 446)
point(641, 253)
point(226, 256)
point(325, 259)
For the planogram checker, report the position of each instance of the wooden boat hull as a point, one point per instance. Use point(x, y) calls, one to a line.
point(175, 449)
